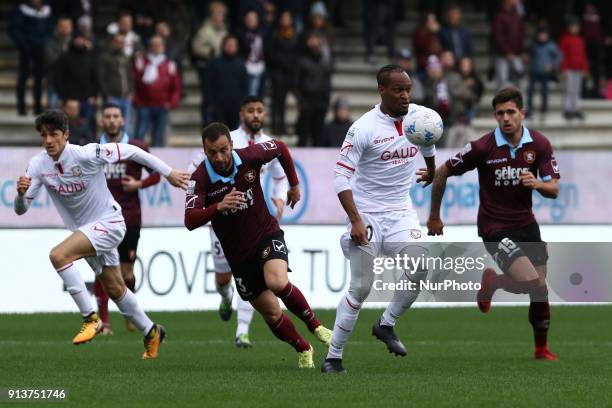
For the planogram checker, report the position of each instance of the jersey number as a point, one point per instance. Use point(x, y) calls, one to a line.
point(240, 286)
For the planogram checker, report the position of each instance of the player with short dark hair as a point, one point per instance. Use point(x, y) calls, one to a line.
point(374, 174)
point(250, 131)
point(74, 179)
point(124, 179)
point(509, 161)
point(225, 189)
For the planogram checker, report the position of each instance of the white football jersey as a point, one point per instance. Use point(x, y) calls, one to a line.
point(382, 160)
point(76, 181)
point(241, 139)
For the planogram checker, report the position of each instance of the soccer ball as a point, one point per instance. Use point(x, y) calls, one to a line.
point(422, 126)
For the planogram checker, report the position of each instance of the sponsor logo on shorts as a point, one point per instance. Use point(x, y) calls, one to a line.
point(76, 171)
point(99, 228)
point(269, 145)
point(415, 233)
point(529, 156)
point(265, 252)
point(279, 246)
point(250, 175)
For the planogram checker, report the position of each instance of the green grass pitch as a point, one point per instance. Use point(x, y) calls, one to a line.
point(457, 357)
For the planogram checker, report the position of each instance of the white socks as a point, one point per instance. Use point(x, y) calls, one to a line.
point(401, 301)
point(76, 287)
point(226, 291)
point(346, 317)
point(129, 307)
point(245, 315)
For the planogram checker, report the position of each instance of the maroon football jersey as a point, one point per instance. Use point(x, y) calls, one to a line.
point(129, 201)
point(239, 231)
point(504, 202)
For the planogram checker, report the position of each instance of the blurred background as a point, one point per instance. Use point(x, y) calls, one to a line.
point(174, 66)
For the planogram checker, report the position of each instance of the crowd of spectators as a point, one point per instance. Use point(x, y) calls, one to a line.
point(282, 47)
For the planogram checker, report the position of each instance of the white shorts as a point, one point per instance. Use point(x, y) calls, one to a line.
point(219, 262)
point(388, 232)
point(105, 236)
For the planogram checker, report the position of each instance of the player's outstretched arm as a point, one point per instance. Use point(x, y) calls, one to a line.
point(434, 223)
point(126, 151)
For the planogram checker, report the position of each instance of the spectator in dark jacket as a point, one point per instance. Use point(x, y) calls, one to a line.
point(404, 59)
point(507, 33)
point(281, 57)
point(206, 45)
point(228, 83)
point(116, 79)
point(157, 89)
point(54, 49)
point(544, 63)
point(465, 67)
point(68, 8)
point(252, 49)
point(79, 130)
point(454, 36)
point(593, 33)
point(76, 78)
point(425, 41)
point(30, 28)
point(80, 133)
point(313, 90)
point(335, 131)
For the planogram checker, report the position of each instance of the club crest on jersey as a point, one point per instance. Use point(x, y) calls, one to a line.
point(529, 156)
point(279, 246)
point(76, 171)
point(265, 252)
point(250, 176)
point(269, 145)
point(415, 233)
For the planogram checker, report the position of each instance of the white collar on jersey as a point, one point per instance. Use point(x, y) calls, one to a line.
point(383, 115)
point(500, 140)
point(124, 138)
point(214, 176)
point(251, 137)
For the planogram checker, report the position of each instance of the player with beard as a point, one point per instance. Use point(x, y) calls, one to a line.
point(124, 179)
point(226, 190)
point(252, 118)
